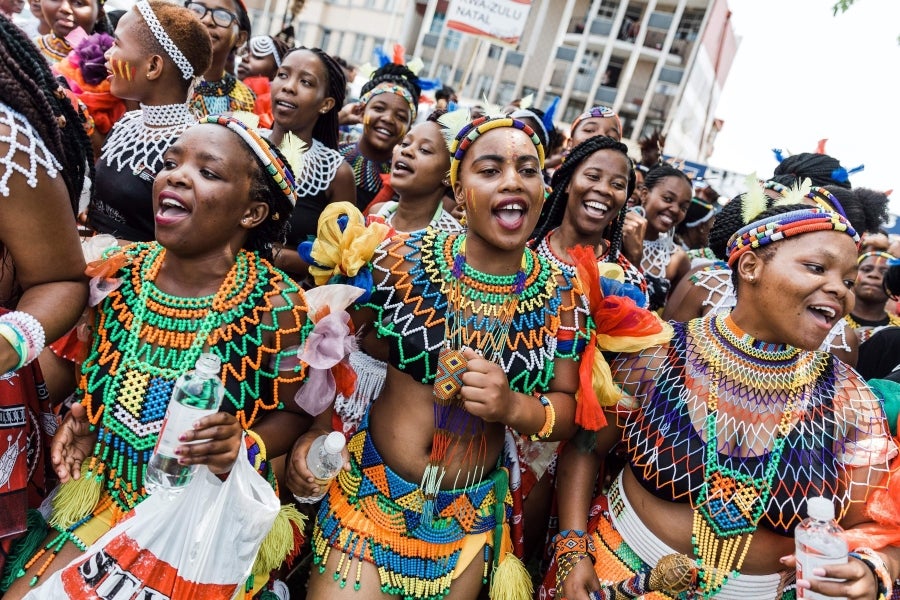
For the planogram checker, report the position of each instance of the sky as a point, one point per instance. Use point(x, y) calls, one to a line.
point(802, 74)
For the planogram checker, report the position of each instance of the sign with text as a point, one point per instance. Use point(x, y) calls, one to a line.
point(500, 21)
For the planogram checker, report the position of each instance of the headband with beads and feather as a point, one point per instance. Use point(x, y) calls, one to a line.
point(470, 132)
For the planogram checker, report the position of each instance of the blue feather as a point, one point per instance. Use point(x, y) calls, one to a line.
point(778, 155)
point(550, 113)
point(380, 57)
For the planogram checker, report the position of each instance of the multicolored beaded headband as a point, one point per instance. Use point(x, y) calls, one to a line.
point(875, 254)
point(710, 212)
point(262, 150)
point(180, 60)
point(262, 46)
point(472, 131)
point(779, 227)
point(393, 88)
point(826, 200)
point(604, 112)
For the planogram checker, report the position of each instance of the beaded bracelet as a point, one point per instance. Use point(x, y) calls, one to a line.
point(549, 421)
point(573, 540)
point(29, 330)
point(565, 564)
point(871, 559)
point(18, 343)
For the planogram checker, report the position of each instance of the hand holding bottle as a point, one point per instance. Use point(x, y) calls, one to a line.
point(219, 445)
point(300, 480)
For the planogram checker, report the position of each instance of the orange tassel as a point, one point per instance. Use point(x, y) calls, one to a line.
point(399, 52)
point(588, 412)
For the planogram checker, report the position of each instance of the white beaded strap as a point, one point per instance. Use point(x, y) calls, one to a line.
point(180, 60)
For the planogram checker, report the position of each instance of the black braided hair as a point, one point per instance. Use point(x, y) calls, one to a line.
point(765, 252)
point(28, 87)
point(820, 169)
point(326, 128)
point(275, 228)
point(729, 220)
point(555, 206)
point(873, 209)
point(695, 211)
point(662, 171)
point(891, 281)
point(393, 73)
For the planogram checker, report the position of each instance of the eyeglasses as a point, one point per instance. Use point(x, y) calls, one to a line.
point(220, 16)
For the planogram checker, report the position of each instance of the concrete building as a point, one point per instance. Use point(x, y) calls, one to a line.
point(660, 64)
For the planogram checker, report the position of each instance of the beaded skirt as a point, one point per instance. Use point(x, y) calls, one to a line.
point(370, 513)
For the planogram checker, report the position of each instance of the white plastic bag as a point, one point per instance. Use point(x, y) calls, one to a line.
point(198, 545)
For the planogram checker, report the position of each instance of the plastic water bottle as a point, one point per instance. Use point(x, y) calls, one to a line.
point(325, 462)
point(819, 542)
point(196, 394)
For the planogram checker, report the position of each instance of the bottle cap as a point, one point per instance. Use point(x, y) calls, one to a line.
point(820, 509)
point(334, 443)
point(209, 365)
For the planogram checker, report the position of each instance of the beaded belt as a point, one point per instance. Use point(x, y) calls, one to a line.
point(372, 514)
point(650, 549)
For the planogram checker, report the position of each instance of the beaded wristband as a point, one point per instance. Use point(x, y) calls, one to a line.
point(876, 564)
point(549, 421)
point(19, 346)
point(573, 540)
point(564, 566)
point(30, 330)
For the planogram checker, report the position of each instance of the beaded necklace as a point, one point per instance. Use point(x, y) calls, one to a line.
point(218, 97)
point(53, 47)
point(320, 165)
point(366, 172)
point(222, 87)
point(39, 158)
point(657, 254)
point(480, 308)
point(869, 329)
point(731, 503)
point(139, 139)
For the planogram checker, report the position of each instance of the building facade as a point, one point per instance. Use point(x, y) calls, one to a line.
point(660, 64)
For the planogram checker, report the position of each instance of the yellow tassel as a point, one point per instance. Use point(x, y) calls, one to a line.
point(279, 542)
point(76, 499)
point(511, 580)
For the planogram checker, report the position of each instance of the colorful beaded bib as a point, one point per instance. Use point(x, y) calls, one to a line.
point(145, 338)
point(223, 96)
point(745, 431)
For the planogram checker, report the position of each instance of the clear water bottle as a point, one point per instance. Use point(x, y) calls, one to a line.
point(325, 462)
point(819, 542)
point(196, 394)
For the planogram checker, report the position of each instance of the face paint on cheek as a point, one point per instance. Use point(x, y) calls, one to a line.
point(123, 69)
point(470, 202)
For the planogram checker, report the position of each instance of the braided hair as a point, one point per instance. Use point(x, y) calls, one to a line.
point(274, 229)
point(873, 209)
point(326, 128)
point(29, 88)
point(821, 169)
point(397, 74)
point(555, 206)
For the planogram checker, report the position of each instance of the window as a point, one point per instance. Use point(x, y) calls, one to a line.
point(326, 40)
point(690, 23)
point(359, 49)
point(483, 85)
point(451, 42)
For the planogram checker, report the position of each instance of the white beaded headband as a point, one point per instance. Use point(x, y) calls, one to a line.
point(262, 45)
point(180, 60)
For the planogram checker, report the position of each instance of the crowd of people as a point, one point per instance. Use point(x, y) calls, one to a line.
point(562, 372)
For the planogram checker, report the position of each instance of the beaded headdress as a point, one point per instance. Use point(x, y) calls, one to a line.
point(472, 131)
point(599, 111)
point(706, 206)
point(180, 60)
point(262, 149)
point(779, 227)
point(826, 200)
point(263, 45)
point(875, 253)
point(393, 88)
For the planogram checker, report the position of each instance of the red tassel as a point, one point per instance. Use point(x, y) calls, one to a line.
point(820, 147)
point(399, 52)
point(588, 412)
point(344, 378)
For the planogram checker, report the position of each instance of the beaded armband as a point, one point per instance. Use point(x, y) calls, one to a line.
point(875, 563)
point(573, 540)
point(549, 421)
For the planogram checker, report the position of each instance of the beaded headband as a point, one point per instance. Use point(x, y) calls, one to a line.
point(279, 172)
point(826, 200)
point(180, 60)
point(393, 88)
point(597, 112)
point(779, 227)
point(522, 113)
point(875, 254)
point(472, 131)
point(263, 45)
point(710, 212)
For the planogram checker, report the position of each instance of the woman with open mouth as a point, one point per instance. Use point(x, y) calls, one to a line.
point(63, 17)
point(159, 49)
point(389, 103)
point(480, 334)
point(222, 198)
point(728, 430)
